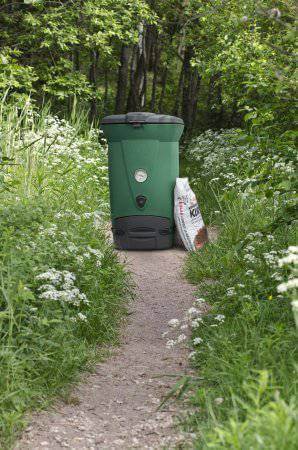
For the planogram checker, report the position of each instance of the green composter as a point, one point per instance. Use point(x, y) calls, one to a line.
point(143, 167)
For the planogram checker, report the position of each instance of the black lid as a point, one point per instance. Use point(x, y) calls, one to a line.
point(141, 117)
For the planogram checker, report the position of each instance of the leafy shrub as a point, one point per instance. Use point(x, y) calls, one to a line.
point(240, 276)
point(62, 287)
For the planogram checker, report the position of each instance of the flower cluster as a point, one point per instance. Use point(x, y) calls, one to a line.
point(192, 320)
point(291, 261)
point(59, 286)
point(230, 162)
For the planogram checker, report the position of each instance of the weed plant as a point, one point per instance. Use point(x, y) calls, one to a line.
point(62, 289)
point(247, 360)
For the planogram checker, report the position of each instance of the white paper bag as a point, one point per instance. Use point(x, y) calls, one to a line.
point(188, 217)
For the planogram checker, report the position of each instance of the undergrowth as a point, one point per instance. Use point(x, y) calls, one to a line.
point(62, 289)
point(247, 360)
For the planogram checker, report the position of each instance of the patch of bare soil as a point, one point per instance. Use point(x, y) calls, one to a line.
point(116, 406)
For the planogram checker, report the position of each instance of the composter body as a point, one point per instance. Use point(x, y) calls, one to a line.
point(143, 167)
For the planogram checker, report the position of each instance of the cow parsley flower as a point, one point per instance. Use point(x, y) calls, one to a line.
point(197, 341)
point(193, 312)
point(170, 343)
point(181, 338)
point(173, 323)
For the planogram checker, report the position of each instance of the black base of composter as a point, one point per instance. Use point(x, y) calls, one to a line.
point(143, 233)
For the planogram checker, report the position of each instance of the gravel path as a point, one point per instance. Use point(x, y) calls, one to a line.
point(116, 407)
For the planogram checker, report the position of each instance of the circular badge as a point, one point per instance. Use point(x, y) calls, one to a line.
point(141, 175)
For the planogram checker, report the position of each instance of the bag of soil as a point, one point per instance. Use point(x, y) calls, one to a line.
point(188, 217)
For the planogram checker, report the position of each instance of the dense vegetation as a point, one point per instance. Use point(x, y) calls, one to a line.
point(226, 66)
point(246, 346)
point(213, 62)
point(62, 289)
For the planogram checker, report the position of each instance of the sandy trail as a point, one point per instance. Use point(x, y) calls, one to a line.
point(116, 406)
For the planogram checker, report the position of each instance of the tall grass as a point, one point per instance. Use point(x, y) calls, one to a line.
point(248, 356)
point(62, 289)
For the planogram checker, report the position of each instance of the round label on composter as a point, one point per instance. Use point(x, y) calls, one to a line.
point(141, 175)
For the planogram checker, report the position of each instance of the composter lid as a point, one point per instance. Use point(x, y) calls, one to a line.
point(141, 117)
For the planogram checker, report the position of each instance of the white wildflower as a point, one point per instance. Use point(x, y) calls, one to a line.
point(181, 338)
point(292, 258)
point(197, 340)
point(192, 355)
point(220, 317)
point(170, 343)
point(231, 291)
point(193, 312)
point(196, 323)
point(82, 317)
point(173, 323)
point(249, 272)
point(288, 285)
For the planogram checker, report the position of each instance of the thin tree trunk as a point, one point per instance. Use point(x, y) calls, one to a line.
point(176, 109)
point(94, 57)
point(120, 104)
point(191, 86)
point(186, 109)
point(155, 77)
point(131, 101)
point(194, 98)
point(163, 89)
point(75, 58)
point(138, 79)
point(106, 90)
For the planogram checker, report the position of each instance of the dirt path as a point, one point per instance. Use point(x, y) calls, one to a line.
point(117, 405)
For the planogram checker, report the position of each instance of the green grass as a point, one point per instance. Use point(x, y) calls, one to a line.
point(54, 204)
point(248, 361)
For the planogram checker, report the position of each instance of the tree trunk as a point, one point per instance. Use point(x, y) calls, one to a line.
point(191, 84)
point(120, 104)
point(106, 91)
point(163, 89)
point(155, 76)
point(176, 109)
point(186, 107)
point(138, 74)
point(132, 100)
point(94, 57)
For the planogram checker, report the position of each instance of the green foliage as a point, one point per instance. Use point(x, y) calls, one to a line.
point(250, 327)
point(57, 38)
point(62, 288)
point(250, 46)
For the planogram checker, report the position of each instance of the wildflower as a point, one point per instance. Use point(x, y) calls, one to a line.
point(192, 312)
point(173, 323)
point(52, 275)
point(197, 340)
point(249, 272)
point(170, 343)
point(181, 338)
point(288, 285)
point(82, 317)
point(292, 258)
point(220, 317)
point(231, 291)
point(196, 323)
point(192, 355)
point(294, 304)
point(218, 400)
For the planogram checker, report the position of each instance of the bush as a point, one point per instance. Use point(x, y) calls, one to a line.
point(250, 327)
point(63, 290)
